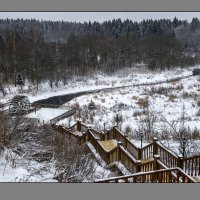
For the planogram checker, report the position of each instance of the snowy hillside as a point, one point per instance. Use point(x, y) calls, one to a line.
point(176, 102)
point(167, 98)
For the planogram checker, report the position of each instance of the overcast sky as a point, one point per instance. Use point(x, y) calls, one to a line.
point(98, 16)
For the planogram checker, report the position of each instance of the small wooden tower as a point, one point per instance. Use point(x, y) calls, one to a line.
point(19, 104)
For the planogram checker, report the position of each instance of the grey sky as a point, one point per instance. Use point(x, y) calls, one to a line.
point(98, 16)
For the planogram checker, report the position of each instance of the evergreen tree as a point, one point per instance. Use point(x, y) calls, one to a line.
point(195, 23)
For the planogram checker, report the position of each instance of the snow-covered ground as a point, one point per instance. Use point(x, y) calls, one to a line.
point(126, 102)
point(46, 114)
point(124, 77)
point(167, 99)
point(22, 170)
point(14, 168)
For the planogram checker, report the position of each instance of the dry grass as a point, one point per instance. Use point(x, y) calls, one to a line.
point(174, 82)
point(76, 105)
point(172, 98)
point(134, 97)
point(186, 95)
point(143, 103)
point(139, 113)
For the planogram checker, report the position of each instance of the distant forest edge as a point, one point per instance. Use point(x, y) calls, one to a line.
point(56, 51)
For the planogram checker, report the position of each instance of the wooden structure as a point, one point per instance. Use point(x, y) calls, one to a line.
point(173, 175)
point(155, 162)
point(19, 104)
point(64, 115)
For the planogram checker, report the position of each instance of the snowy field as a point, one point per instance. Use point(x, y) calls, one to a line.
point(127, 102)
point(77, 84)
point(44, 115)
point(167, 100)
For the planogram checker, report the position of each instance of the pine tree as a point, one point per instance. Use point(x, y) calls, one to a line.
point(195, 23)
point(19, 79)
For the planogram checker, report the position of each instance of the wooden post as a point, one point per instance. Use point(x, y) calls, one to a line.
point(84, 137)
point(87, 136)
point(155, 163)
point(70, 136)
point(114, 132)
point(118, 154)
point(119, 150)
point(180, 162)
point(139, 154)
point(155, 167)
point(102, 136)
point(88, 131)
point(78, 126)
point(177, 176)
point(79, 140)
point(138, 168)
point(125, 139)
point(155, 147)
point(108, 135)
point(108, 158)
point(97, 139)
point(60, 127)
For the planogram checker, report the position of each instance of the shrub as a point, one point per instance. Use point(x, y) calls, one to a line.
point(172, 98)
point(103, 100)
point(134, 97)
point(143, 103)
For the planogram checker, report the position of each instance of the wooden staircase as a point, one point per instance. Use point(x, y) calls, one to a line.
point(153, 160)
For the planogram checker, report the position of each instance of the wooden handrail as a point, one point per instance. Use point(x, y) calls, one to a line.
point(51, 106)
point(170, 152)
point(166, 157)
point(147, 151)
point(96, 132)
point(147, 166)
point(64, 115)
point(156, 179)
point(162, 166)
point(132, 148)
point(127, 154)
point(148, 145)
point(191, 157)
point(191, 165)
point(74, 125)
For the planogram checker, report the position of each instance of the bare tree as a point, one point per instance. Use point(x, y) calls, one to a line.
point(147, 123)
point(174, 129)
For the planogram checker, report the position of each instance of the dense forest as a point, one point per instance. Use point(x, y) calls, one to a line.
point(55, 51)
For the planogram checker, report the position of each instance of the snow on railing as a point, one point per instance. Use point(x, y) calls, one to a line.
point(130, 158)
point(157, 176)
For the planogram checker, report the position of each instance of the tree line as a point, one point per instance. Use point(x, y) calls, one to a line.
point(56, 51)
